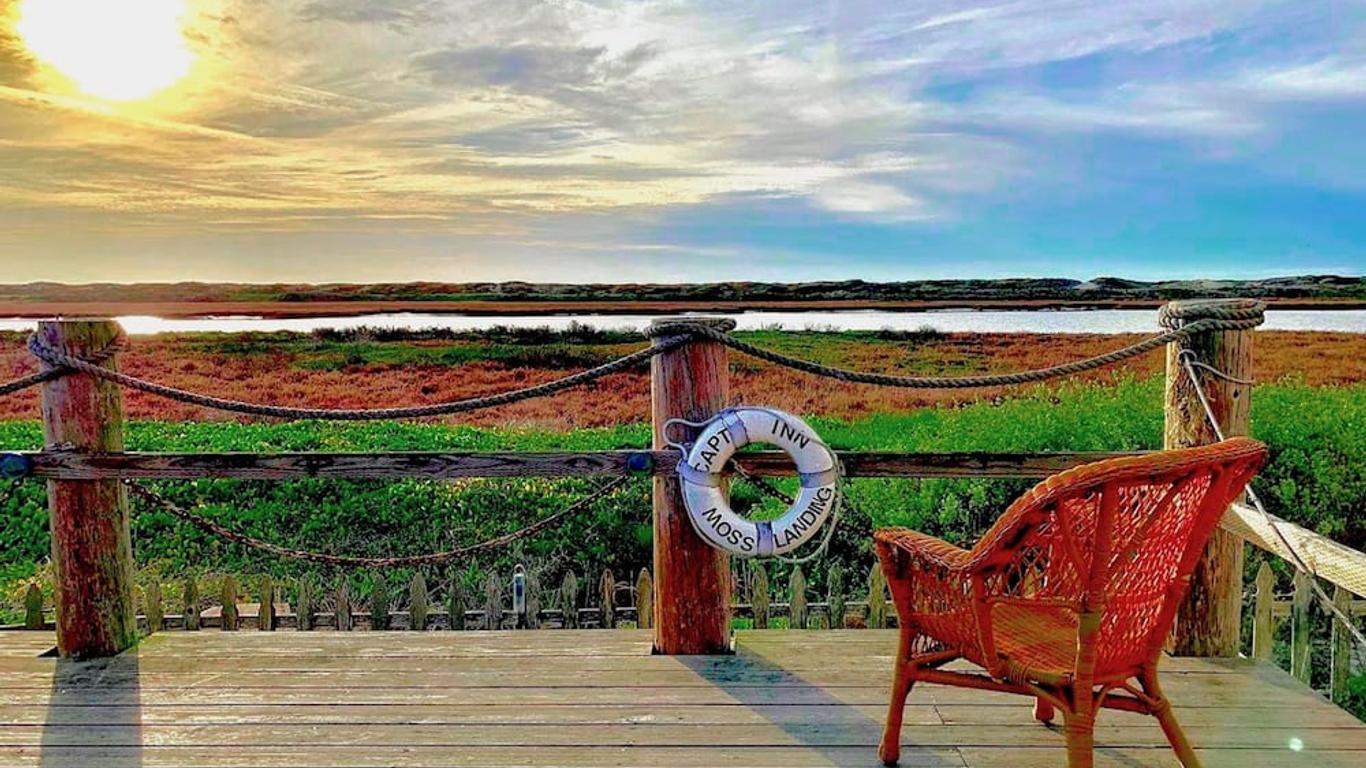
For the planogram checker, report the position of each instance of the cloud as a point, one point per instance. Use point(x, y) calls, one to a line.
point(394, 13)
point(1329, 79)
point(490, 118)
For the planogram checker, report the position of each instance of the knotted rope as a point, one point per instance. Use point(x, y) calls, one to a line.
point(58, 371)
point(210, 526)
point(55, 357)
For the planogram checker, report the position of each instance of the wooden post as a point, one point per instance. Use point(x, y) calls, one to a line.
point(692, 579)
point(1209, 620)
point(92, 550)
point(1263, 626)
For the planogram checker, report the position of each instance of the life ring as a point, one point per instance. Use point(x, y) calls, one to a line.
point(710, 512)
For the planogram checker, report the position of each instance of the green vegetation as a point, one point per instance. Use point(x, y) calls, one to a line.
point(1100, 289)
point(1316, 477)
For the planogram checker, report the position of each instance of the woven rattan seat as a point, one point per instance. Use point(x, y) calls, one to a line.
point(1070, 596)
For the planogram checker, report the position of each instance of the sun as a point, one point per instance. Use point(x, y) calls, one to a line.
point(119, 50)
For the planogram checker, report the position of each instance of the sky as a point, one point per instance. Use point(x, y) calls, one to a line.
point(679, 140)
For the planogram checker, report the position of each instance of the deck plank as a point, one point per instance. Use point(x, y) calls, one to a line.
point(586, 698)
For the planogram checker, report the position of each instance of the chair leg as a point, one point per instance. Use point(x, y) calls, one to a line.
point(1043, 710)
point(1080, 732)
point(890, 749)
point(1162, 710)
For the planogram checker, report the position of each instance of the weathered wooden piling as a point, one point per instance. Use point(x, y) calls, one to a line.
point(692, 579)
point(1209, 619)
point(92, 550)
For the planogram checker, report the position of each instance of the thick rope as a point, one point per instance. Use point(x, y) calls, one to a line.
point(209, 526)
point(59, 359)
point(1182, 319)
point(963, 382)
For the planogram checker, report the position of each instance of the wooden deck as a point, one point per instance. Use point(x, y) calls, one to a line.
point(586, 698)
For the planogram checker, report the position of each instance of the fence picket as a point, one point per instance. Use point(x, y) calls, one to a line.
point(265, 620)
point(455, 604)
point(417, 603)
point(493, 603)
point(645, 600)
point(33, 607)
point(533, 600)
point(569, 600)
point(189, 609)
point(228, 618)
point(797, 604)
point(835, 597)
point(1263, 625)
point(305, 609)
point(607, 591)
point(379, 603)
point(1299, 628)
point(342, 611)
point(877, 598)
point(156, 616)
point(759, 594)
point(1341, 662)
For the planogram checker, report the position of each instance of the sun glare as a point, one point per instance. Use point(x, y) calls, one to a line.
point(113, 50)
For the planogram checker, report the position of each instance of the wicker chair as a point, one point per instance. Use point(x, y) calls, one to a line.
point(1069, 597)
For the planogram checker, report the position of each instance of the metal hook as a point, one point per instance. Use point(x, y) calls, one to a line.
point(1190, 358)
point(683, 448)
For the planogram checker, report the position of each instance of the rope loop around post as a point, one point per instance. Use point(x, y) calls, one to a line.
point(664, 328)
point(55, 370)
point(1236, 314)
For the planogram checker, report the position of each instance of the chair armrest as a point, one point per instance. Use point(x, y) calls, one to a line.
point(923, 547)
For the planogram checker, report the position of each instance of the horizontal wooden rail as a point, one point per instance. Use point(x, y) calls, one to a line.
point(1337, 563)
point(71, 465)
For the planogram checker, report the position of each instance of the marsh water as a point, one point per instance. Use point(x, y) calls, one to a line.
point(948, 321)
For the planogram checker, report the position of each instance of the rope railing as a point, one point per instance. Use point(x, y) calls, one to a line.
point(354, 561)
point(1181, 320)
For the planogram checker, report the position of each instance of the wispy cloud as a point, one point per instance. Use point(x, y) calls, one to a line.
point(491, 118)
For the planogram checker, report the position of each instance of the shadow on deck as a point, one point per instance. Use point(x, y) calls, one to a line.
point(588, 698)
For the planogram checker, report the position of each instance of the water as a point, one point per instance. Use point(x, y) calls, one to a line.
point(950, 321)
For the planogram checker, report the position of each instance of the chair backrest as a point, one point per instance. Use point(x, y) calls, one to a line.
point(1120, 538)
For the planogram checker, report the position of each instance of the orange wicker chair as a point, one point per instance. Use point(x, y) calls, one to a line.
point(1070, 596)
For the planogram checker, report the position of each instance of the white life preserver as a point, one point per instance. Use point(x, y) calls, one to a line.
point(708, 508)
